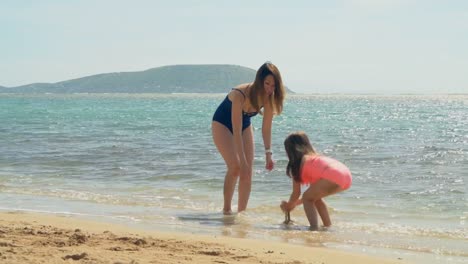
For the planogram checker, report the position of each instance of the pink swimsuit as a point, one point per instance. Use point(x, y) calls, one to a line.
point(321, 167)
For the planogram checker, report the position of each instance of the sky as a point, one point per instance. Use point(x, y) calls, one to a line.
point(347, 46)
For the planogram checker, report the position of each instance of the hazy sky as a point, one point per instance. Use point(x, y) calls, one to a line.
point(349, 46)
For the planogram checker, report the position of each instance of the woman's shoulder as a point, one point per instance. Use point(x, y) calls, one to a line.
point(243, 86)
point(236, 94)
point(239, 92)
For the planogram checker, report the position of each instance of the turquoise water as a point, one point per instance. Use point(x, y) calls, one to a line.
point(148, 160)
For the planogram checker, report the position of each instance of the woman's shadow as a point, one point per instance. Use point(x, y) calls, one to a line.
point(211, 219)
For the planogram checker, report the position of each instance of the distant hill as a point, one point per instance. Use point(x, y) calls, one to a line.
point(167, 79)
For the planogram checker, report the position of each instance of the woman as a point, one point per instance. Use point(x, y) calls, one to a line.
point(233, 132)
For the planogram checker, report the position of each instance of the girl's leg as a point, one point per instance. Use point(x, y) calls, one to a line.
point(224, 142)
point(316, 192)
point(245, 181)
point(322, 210)
point(311, 213)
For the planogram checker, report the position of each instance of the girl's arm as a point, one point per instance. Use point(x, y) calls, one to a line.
point(266, 132)
point(295, 195)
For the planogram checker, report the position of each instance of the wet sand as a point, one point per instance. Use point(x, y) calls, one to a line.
point(41, 238)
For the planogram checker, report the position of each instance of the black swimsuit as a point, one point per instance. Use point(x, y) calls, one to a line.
point(223, 114)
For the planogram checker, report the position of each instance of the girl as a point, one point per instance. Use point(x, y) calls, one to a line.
point(326, 176)
point(233, 133)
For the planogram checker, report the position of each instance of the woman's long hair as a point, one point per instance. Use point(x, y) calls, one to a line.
point(297, 145)
point(257, 92)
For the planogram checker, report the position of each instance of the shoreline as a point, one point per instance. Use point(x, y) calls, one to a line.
point(38, 238)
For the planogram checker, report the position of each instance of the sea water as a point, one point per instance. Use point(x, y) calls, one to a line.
point(148, 160)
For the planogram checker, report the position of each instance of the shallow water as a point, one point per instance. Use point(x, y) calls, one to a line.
point(148, 160)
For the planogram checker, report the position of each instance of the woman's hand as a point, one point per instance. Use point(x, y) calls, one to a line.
point(269, 163)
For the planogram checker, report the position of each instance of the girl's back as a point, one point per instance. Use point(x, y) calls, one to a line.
point(321, 167)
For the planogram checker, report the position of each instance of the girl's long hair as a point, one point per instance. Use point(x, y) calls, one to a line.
point(257, 92)
point(297, 145)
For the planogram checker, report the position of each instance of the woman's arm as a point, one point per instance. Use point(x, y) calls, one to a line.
point(236, 118)
point(266, 132)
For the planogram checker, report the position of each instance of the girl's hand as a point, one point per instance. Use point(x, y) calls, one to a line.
point(283, 206)
point(270, 164)
point(286, 207)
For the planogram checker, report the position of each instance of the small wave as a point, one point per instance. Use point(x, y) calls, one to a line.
point(400, 230)
point(166, 177)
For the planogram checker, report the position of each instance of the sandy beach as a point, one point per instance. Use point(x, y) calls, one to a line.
point(39, 238)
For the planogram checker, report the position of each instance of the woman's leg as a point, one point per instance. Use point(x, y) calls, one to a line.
point(245, 181)
point(224, 142)
point(316, 192)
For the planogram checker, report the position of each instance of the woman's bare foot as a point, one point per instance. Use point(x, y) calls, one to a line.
point(227, 212)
